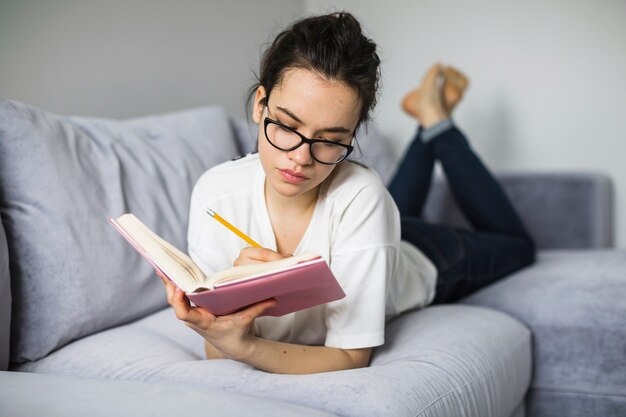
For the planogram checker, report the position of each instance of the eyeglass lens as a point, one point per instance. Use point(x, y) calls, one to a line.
point(285, 139)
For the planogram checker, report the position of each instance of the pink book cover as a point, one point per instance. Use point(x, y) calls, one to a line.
point(306, 284)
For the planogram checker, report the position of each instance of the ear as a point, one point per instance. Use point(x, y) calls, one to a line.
point(259, 104)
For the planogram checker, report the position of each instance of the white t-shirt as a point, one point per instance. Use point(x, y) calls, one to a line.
point(355, 227)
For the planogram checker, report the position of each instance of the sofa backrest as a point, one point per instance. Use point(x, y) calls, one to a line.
point(561, 210)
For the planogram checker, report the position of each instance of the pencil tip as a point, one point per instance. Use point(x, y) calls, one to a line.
point(210, 212)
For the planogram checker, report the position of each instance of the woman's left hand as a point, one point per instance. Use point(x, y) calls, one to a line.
point(252, 255)
point(230, 334)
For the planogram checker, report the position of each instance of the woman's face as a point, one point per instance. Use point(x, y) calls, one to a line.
point(318, 109)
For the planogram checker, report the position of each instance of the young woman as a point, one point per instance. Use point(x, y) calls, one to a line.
point(317, 84)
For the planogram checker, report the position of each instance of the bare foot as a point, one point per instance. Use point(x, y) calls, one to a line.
point(455, 84)
point(441, 89)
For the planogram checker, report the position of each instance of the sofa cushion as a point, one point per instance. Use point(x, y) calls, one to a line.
point(445, 360)
point(5, 301)
point(574, 302)
point(25, 395)
point(61, 178)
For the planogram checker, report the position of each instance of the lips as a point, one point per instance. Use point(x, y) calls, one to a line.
point(292, 176)
point(294, 173)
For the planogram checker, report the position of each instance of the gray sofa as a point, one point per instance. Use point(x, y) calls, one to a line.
point(84, 327)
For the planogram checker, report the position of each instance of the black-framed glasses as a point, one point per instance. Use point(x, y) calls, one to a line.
point(287, 139)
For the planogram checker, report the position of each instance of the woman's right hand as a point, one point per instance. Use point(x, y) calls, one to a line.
point(254, 255)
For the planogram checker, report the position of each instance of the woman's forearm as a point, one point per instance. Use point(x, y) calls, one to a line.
point(287, 358)
point(229, 337)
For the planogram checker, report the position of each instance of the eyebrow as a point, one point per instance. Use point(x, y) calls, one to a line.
point(336, 129)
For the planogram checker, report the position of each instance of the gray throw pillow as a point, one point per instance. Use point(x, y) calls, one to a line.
point(61, 178)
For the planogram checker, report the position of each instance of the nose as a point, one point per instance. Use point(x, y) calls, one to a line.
point(301, 155)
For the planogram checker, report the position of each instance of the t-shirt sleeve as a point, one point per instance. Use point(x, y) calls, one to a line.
point(364, 254)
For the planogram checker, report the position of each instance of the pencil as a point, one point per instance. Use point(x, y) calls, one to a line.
point(231, 227)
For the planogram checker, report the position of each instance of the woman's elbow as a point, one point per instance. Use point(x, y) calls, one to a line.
point(358, 358)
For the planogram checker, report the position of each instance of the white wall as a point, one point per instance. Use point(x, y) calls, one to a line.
point(119, 58)
point(548, 78)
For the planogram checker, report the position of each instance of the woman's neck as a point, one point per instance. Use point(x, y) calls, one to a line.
point(293, 205)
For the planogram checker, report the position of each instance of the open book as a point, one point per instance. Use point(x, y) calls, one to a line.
point(297, 282)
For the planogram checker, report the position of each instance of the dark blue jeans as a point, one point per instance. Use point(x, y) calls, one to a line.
point(466, 260)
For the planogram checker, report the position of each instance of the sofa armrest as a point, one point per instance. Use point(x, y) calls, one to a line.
point(561, 210)
point(5, 301)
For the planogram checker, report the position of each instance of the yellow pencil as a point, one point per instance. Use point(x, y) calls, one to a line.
point(231, 227)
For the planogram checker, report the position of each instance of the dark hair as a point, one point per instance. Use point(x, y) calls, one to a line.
point(331, 45)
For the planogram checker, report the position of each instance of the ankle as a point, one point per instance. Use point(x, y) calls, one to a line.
point(431, 116)
point(430, 133)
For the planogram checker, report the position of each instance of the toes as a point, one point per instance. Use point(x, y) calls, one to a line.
point(456, 78)
point(430, 79)
point(455, 85)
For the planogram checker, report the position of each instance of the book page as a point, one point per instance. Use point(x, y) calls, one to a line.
point(253, 270)
point(179, 267)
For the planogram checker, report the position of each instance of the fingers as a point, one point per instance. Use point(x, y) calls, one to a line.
point(253, 254)
point(179, 302)
point(169, 288)
point(244, 260)
point(193, 316)
point(249, 314)
point(261, 254)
